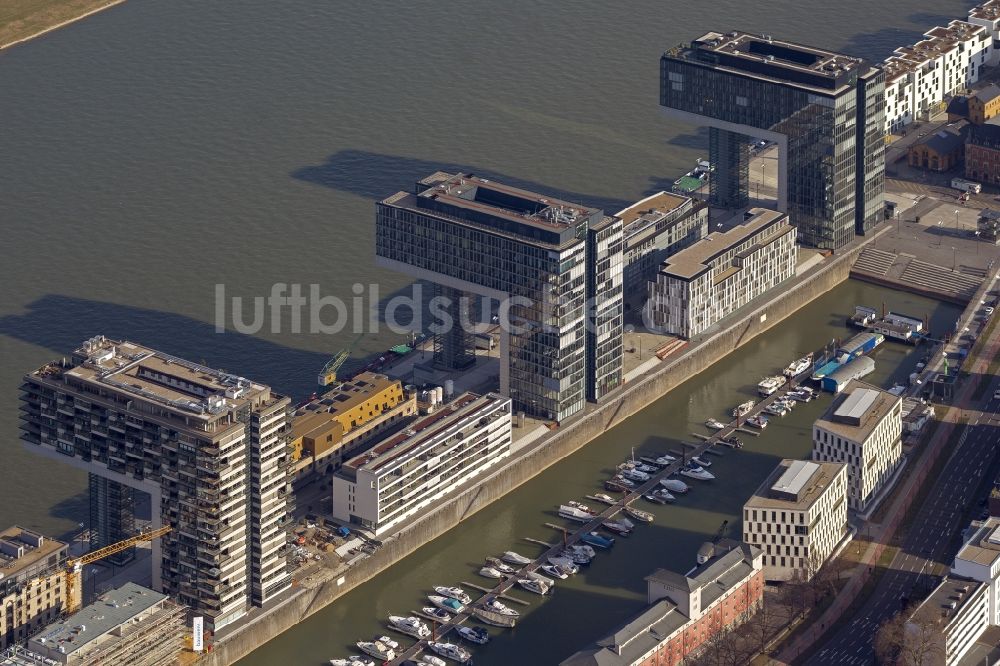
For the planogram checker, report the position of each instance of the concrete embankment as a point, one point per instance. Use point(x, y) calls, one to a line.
point(536, 457)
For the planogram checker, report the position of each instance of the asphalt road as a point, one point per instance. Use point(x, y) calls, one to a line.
point(928, 546)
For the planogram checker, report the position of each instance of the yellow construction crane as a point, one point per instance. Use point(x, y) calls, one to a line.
point(328, 374)
point(74, 567)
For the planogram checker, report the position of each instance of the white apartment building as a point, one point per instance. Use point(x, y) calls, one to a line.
point(719, 274)
point(979, 559)
point(862, 428)
point(211, 449)
point(797, 517)
point(945, 626)
point(988, 16)
point(407, 472)
point(919, 77)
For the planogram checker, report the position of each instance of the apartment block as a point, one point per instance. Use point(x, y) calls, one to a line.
point(721, 273)
point(400, 477)
point(919, 78)
point(554, 267)
point(655, 228)
point(863, 429)
point(210, 448)
point(685, 612)
point(797, 517)
point(946, 625)
point(823, 110)
point(127, 626)
point(334, 426)
point(32, 584)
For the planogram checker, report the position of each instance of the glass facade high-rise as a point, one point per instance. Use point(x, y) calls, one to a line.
point(824, 110)
point(556, 265)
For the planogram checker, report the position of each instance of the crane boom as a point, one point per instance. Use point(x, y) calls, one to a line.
point(74, 567)
point(328, 374)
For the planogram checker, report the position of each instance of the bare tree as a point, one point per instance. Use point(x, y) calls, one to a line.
point(909, 640)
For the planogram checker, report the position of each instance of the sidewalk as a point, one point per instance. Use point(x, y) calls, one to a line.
point(882, 534)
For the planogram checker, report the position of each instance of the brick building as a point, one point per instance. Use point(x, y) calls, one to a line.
point(942, 151)
point(982, 153)
point(685, 612)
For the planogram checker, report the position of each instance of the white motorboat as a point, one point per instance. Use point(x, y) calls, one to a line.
point(743, 408)
point(411, 626)
point(437, 613)
point(450, 651)
point(606, 499)
point(769, 385)
point(431, 660)
point(697, 473)
point(701, 462)
point(578, 558)
point(759, 422)
point(490, 572)
point(675, 485)
point(554, 571)
point(497, 606)
point(665, 460)
point(573, 513)
point(377, 649)
point(776, 409)
point(581, 506)
point(659, 496)
point(385, 640)
point(449, 604)
point(532, 585)
point(635, 475)
point(454, 593)
point(796, 368)
point(714, 424)
point(653, 462)
point(534, 575)
point(642, 467)
point(639, 514)
point(514, 558)
point(584, 548)
point(564, 565)
point(499, 565)
point(476, 635)
point(354, 660)
point(622, 481)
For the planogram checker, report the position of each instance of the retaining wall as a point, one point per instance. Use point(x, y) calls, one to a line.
point(535, 458)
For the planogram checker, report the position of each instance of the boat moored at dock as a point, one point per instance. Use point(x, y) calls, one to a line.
point(769, 385)
point(675, 485)
point(532, 585)
point(696, 472)
point(596, 540)
point(451, 651)
point(743, 408)
point(476, 635)
point(638, 514)
point(354, 660)
point(412, 626)
point(715, 424)
point(437, 613)
point(515, 558)
point(796, 368)
point(575, 513)
point(377, 649)
point(757, 421)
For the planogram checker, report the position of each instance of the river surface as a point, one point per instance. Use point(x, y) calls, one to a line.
point(163, 147)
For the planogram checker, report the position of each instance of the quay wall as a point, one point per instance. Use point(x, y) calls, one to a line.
point(535, 458)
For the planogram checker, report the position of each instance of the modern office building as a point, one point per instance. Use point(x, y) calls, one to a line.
point(655, 228)
point(128, 626)
point(920, 78)
point(211, 449)
point(945, 626)
point(721, 273)
point(336, 425)
point(797, 517)
point(863, 429)
point(400, 477)
point(32, 583)
point(554, 266)
point(824, 110)
point(685, 612)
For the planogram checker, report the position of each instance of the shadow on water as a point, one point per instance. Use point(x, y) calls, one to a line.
point(376, 176)
point(76, 509)
point(697, 140)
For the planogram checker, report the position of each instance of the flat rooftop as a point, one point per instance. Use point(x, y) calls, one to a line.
point(112, 608)
point(512, 211)
point(987, 11)
point(403, 445)
point(695, 260)
point(855, 417)
point(953, 590)
point(983, 545)
point(343, 397)
point(22, 549)
point(937, 42)
point(762, 56)
point(189, 389)
point(796, 492)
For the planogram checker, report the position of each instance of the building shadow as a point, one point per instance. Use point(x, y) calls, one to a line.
point(377, 175)
point(76, 509)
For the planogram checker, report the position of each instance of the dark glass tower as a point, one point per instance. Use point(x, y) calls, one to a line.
point(825, 111)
